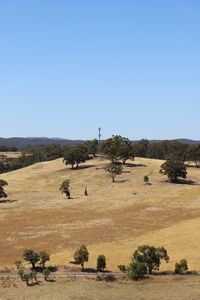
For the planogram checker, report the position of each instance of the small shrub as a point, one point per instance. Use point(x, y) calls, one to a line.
point(146, 179)
point(122, 268)
point(181, 267)
point(46, 273)
point(136, 270)
point(101, 263)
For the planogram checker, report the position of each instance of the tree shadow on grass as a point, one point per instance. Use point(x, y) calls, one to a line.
point(183, 181)
point(7, 201)
point(82, 167)
point(132, 165)
point(121, 181)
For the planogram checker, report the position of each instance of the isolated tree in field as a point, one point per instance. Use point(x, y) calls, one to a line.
point(92, 147)
point(44, 257)
point(81, 256)
point(31, 256)
point(150, 256)
point(101, 263)
point(118, 148)
point(174, 169)
point(2, 191)
point(75, 155)
point(181, 267)
point(64, 188)
point(146, 179)
point(114, 169)
point(136, 270)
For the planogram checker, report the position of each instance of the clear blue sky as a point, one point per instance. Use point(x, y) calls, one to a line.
point(129, 66)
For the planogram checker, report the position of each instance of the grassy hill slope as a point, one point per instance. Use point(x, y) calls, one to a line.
point(114, 219)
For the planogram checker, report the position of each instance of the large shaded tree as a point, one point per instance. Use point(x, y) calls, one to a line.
point(118, 148)
point(150, 256)
point(75, 155)
point(174, 169)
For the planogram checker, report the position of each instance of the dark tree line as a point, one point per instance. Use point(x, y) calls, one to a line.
point(168, 150)
point(8, 149)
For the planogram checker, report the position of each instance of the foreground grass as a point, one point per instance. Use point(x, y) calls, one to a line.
point(183, 288)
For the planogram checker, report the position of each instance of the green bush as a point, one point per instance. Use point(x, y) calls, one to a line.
point(136, 270)
point(46, 273)
point(181, 267)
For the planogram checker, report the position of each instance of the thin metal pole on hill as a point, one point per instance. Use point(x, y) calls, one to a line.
point(99, 141)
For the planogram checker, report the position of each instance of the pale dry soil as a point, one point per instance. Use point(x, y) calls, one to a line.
point(179, 289)
point(113, 220)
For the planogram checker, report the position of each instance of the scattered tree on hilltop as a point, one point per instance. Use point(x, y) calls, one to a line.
point(92, 147)
point(150, 256)
point(81, 256)
point(64, 188)
point(174, 169)
point(75, 155)
point(2, 191)
point(114, 169)
point(118, 148)
point(31, 256)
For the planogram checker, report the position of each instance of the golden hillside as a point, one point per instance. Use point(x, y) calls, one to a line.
point(113, 220)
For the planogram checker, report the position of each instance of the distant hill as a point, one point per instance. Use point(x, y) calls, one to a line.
point(23, 143)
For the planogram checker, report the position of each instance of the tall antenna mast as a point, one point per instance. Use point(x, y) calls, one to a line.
point(99, 136)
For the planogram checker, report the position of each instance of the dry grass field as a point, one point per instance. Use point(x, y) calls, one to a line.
point(179, 289)
point(11, 154)
point(112, 220)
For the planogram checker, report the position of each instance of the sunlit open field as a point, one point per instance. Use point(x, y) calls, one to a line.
point(180, 289)
point(112, 220)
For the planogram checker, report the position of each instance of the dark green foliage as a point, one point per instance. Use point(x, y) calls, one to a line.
point(75, 155)
point(8, 149)
point(181, 267)
point(64, 188)
point(150, 256)
point(136, 270)
point(122, 268)
point(29, 277)
point(118, 148)
point(31, 256)
point(46, 273)
point(81, 256)
point(2, 191)
point(114, 169)
point(44, 257)
point(101, 263)
point(194, 154)
point(142, 148)
point(92, 147)
point(33, 155)
point(174, 169)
